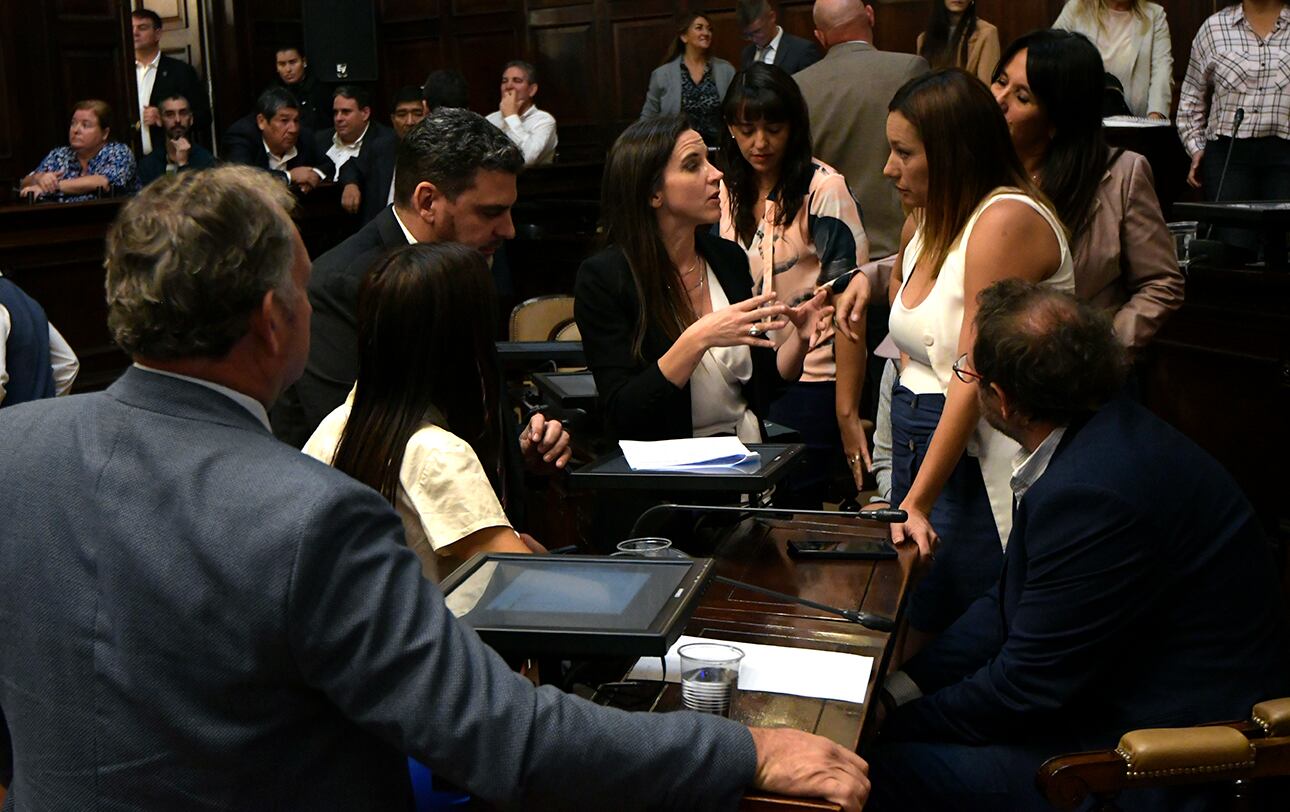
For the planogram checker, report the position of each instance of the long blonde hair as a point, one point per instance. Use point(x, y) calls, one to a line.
point(1097, 10)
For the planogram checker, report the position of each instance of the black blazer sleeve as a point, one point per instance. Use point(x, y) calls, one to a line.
point(637, 402)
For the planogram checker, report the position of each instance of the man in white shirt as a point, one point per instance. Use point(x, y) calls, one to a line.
point(532, 130)
point(159, 77)
point(351, 113)
point(769, 42)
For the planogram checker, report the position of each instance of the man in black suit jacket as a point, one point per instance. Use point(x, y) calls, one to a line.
point(1138, 587)
point(162, 77)
point(273, 140)
point(768, 42)
point(362, 150)
point(455, 182)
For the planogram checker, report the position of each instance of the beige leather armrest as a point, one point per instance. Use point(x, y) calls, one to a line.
point(1160, 752)
point(1273, 716)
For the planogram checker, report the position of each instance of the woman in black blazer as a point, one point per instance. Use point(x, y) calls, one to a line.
point(670, 327)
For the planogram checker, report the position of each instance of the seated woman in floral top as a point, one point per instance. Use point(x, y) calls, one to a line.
point(90, 164)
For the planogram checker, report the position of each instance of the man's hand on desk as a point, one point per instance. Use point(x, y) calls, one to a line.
point(545, 445)
point(793, 762)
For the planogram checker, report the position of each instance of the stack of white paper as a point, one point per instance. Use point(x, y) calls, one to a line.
point(690, 455)
point(779, 670)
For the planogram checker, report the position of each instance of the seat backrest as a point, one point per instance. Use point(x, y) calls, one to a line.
point(541, 318)
point(568, 332)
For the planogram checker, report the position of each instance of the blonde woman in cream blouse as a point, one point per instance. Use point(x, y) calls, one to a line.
point(1133, 38)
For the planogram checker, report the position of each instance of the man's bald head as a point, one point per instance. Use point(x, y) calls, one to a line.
point(839, 21)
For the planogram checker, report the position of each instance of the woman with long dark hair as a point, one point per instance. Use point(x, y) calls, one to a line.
point(670, 326)
point(421, 425)
point(691, 80)
point(796, 219)
point(977, 217)
point(1048, 86)
point(957, 38)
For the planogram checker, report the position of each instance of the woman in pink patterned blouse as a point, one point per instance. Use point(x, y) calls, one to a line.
point(800, 226)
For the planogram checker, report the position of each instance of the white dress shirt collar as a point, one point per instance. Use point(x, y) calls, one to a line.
point(280, 164)
point(151, 64)
point(411, 240)
point(255, 407)
point(768, 53)
point(1030, 467)
point(358, 142)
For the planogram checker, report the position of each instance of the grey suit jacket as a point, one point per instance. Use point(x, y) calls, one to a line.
point(664, 94)
point(208, 619)
point(792, 55)
point(847, 93)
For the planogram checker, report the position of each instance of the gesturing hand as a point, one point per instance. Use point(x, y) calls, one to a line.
point(793, 762)
point(811, 316)
point(742, 323)
point(545, 445)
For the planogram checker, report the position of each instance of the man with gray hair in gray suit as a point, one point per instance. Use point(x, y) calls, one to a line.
point(196, 615)
point(847, 93)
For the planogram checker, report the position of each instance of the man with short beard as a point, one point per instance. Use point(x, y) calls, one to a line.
point(180, 154)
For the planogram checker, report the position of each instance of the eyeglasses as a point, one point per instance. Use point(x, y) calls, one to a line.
point(962, 372)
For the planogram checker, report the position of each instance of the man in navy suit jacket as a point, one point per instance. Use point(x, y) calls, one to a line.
point(200, 617)
point(1138, 587)
point(768, 42)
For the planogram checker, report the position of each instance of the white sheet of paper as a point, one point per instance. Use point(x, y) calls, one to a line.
point(687, 454)
point(779, 670)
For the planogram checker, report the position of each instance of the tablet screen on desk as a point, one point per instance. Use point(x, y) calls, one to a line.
point(552, 592)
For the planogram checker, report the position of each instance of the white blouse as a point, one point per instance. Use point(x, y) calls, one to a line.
point(929, 334)
point(444, 493)
point(717, 404)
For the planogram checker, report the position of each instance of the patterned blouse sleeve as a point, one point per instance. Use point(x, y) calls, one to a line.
point(54, 161)
point(116, 163)
point(839, 237)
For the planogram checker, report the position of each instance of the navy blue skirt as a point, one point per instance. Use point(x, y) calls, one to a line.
point(970, 555)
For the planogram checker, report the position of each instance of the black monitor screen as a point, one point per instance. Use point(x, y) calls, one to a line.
point(541, 592)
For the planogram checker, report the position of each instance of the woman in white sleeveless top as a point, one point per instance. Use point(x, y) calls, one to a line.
point(976, 218)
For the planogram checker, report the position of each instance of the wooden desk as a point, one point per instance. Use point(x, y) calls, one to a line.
point(754, 551)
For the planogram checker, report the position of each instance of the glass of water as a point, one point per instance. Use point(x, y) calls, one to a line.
point(709, 676)
point(1183, 233)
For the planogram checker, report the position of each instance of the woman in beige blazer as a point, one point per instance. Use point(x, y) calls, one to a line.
point(957, 38)
point(1133, 38)
point(1049, 86)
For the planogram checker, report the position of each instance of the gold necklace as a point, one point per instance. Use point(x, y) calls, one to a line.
point(703, 279)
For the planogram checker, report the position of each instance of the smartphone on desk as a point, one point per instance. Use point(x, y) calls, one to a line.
point(860, 548)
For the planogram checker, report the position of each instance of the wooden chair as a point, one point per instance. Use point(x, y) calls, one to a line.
point(1234, 753)
point(541, 318)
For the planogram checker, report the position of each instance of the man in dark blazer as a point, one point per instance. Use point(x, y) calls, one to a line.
point(273, 140)
point(207, 618)
point(179, 152)
point(162, 77)
point(847, 93)
point(455, 183)
point(768, 42)
point(1138, 587)
point(363, 150)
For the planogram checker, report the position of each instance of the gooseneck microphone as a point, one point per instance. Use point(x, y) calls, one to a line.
point(1231, 147)
point(878, 623)
point(886, 515)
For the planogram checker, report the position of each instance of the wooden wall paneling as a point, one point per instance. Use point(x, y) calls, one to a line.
point(465, 8)
point(565, 56)
point(638, 46)
point(396, 11)
point(479, 55)
point(10, 169)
